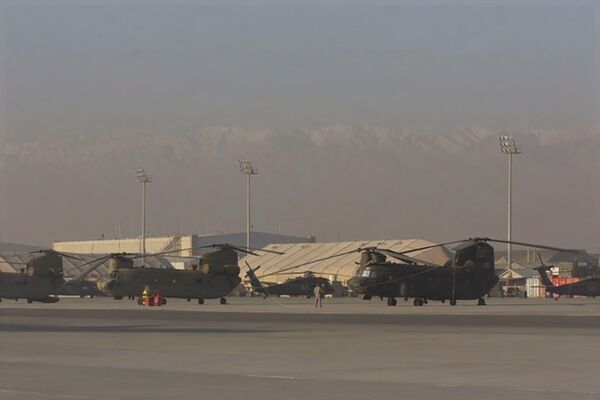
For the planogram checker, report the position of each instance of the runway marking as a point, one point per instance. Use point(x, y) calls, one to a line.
point(276, 377)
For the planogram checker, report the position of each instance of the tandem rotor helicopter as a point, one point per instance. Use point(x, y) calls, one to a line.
point(469, 275)
point(211, 276)
point(43, 278)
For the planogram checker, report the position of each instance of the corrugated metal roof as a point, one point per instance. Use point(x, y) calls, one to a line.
point(344, 266)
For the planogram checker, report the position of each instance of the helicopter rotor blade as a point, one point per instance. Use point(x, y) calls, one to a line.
point(250, 268)
point(72, 256)
point(257, 249)
point(98, 261)
point(313, 261)
point(539, 246)
point(402, 257)
point(432, 246)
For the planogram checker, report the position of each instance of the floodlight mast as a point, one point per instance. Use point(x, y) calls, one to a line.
point(509, 147)
point(247, 169)
point(143, 178)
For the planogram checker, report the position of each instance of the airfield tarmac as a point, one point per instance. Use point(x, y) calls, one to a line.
point(284, 348)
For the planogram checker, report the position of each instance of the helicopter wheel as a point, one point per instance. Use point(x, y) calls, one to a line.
point(164, 301)
point(481, 301)
point(391, 301)
point(418, 302)
point(223, 300)
point(29, 301)
point(188, 300)
point(140, 302)
point(200, 301)
point(425, 301)
point(452, 302)
point(367, 297)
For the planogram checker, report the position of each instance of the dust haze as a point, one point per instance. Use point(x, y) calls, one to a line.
point(376, 121)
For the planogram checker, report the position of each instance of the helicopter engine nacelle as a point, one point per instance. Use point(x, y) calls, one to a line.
point(116, 263)
point(229, 270)
point(46, 265)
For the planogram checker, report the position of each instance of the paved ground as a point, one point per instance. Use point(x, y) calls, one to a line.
point(255, 349)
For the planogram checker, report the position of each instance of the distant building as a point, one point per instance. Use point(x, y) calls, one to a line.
point(565, 264)
point(184, 245)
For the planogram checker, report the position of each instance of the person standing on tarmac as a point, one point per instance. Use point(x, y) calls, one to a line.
point(318, 292)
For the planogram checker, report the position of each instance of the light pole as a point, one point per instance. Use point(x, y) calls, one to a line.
point(248, 170)
point(143, 178)
point(508, 146)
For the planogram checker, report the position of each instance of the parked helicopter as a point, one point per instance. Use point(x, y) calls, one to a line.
point(588, 287)
point(212, 275)
point(41, 279)
point(299, 286)
point(468, 276)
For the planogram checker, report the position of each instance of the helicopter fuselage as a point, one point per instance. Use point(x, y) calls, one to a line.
point(422, 281)
point(14, 285)
point(189, 284)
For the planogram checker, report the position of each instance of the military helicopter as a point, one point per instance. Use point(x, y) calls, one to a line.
point(299, 286)
point(212, 275)
point(588, 287)
point(41, 279)
point(469, 276)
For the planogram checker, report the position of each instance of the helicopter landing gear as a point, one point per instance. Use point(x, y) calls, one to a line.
point(223, 300)
point(391, 301)
point(418, 302)
point(481, 301)
point(163, 301)
point(200, 301)
point(118, 297)
point(140, 301)
point(452, 302)
point(367, 297)
point(29, 301)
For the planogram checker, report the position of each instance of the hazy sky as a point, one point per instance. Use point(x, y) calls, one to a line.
point(88, 67)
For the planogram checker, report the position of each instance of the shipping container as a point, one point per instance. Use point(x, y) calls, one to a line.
point(535, 288)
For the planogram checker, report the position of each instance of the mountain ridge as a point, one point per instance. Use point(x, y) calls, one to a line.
point(358, 180)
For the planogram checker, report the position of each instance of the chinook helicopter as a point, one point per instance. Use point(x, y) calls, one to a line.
point(299, 286)
point(211, 276)
point(468, 276)
point(41, 279)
